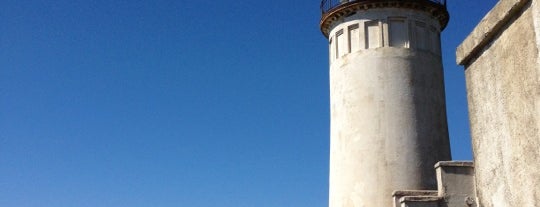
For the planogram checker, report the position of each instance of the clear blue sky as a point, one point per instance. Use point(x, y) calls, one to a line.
point(177, 103)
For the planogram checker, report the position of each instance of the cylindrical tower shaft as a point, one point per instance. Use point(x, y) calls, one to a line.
point(388, 116)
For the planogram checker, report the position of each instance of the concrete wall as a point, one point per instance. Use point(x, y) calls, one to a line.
point(388, 117)
point(502, 62)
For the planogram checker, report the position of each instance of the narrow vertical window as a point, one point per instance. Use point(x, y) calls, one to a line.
point(398, 33)
point(373, 34)
point(354, 38)
point(421, 36)
point(435, 41)
point(341, 42)
point(331, 49)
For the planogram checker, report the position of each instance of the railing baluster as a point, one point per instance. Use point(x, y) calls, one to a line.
point(327, 5)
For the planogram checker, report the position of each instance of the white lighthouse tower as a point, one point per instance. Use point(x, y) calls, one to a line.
point(388, 114)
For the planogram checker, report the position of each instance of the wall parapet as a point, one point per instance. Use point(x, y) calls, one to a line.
point(488, 28)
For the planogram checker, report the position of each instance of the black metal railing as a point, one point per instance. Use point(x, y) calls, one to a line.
point(327, 5)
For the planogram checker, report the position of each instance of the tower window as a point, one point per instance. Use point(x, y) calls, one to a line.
point(434, 40)
point(421, 36)
point(398, 32)
point(373, 34)
point(341, 43)
point(354, 38)
point(332, 51)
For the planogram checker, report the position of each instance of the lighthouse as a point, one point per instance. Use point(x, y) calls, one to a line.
point(387, 102)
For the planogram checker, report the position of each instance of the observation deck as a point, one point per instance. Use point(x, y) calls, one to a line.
point(333, 10)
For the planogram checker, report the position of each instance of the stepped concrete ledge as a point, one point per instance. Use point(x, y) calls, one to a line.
point(420, 201)
point(455, 183)
point(397, 195)
point(455, 188)
point(414, 193)
point(491, 25)
point(454, 164)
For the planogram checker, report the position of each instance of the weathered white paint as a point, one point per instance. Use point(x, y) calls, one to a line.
point(388, 118)
point(501, 57)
